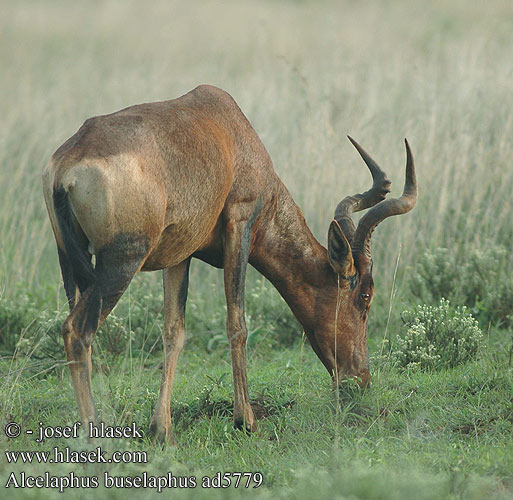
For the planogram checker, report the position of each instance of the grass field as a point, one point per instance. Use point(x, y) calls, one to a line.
point(306, 74)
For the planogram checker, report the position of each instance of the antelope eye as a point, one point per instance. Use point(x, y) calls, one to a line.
point(365, 297)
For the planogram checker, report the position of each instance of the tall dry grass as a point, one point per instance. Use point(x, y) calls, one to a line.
point(306, 74)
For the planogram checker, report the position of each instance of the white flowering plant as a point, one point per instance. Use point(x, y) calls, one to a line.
point(437, 337)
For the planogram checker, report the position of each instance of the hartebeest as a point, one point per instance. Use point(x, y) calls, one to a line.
point(153, 185)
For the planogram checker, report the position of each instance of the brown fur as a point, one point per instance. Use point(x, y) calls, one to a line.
point(190, 178)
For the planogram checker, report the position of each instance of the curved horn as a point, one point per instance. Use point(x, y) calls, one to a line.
point(350, 204)
point(387, 208)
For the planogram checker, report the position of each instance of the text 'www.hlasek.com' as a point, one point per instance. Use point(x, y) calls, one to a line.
point(98, 455)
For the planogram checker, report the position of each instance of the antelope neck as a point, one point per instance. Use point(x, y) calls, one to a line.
point(290, 257)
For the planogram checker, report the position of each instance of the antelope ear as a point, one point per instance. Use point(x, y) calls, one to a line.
point(339, 251)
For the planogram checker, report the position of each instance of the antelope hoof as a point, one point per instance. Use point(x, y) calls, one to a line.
point(162, 435)
point(246, 425)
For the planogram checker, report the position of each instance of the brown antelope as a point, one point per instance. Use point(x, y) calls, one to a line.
point(153, 185)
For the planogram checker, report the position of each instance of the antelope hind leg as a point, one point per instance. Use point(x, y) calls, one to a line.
point(116, 265)
point(78, 332)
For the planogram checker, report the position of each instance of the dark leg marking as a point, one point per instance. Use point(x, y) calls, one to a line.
point(116, 265)
point(239, 278)
point(184, 288)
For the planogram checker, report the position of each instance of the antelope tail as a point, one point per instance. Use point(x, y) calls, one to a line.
point(75, 245)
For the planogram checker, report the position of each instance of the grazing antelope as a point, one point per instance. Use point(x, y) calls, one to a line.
point(153, 185)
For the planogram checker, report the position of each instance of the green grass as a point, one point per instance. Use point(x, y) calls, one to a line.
point(306, 74)
point(449, 429)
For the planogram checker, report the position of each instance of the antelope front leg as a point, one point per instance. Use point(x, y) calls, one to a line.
point(236, 255)
point(176, 282)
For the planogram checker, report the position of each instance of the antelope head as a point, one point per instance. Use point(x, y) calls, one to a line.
point(341, 343)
